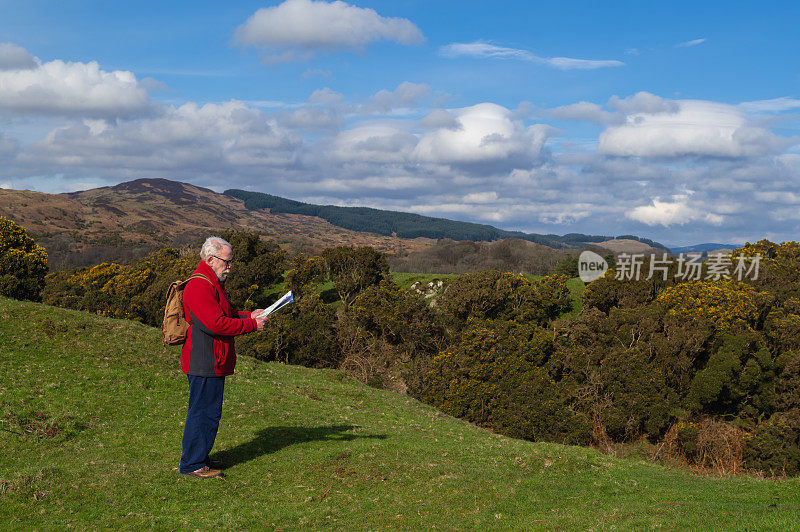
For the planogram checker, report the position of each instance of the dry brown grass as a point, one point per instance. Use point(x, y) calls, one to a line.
point(706, 446)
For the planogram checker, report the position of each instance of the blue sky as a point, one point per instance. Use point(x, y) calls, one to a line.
point(676, 121)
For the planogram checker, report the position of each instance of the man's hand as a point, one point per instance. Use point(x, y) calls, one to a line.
point(260, 321)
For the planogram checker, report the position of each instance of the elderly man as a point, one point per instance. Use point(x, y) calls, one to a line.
point(208, 353)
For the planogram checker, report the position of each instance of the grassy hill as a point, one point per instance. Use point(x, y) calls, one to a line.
point(92, 412)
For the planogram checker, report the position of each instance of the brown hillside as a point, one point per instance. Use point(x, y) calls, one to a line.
point(624, 245)
point(127, 220)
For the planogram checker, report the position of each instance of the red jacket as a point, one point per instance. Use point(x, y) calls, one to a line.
point(209, 350)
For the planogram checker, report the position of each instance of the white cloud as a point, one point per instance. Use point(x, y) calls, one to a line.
point(643, 102)
point(480, 197)
point(295, 29)
point(439, 118)
point(325, 96)
point(585, 111)
point(312, 118)
point(484, 49)
point(405, 95)
point(15, 57)
point(679, 211)
point(699, 128)
point(373, 143)
point(774, 105)
point(491, 51)
point(688, 44)
point(487, 134)
point(202, 140)
point(787, 197)
point(569, 63)
point(72, 89)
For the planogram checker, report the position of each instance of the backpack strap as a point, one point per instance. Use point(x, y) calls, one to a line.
point(201, 276)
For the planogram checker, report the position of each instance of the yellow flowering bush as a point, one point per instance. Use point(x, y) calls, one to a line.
point(23, 263)
point(498, 375)
point(725, 302)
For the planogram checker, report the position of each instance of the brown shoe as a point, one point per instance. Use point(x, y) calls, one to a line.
point(206, 472)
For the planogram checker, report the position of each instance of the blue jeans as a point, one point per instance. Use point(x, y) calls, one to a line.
point(202, 420)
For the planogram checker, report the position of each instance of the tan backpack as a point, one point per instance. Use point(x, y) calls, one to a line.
point(175, 327)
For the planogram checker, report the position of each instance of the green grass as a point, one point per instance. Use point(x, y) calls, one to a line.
point(405, 280)
point(92, 411)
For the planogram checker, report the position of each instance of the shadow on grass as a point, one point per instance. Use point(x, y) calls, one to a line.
point(272, 439)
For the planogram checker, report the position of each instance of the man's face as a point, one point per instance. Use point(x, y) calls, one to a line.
point(220, 262)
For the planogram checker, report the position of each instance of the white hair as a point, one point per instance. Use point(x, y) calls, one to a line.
point(212, 246)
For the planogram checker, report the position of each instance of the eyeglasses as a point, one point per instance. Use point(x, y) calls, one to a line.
point(227, 262)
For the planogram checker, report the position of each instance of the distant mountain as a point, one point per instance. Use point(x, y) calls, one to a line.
point(699, 248)
point(126, 221)
point(409, 225)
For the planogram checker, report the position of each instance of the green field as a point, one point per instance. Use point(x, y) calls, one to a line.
point(405, 280)
point(92, 412)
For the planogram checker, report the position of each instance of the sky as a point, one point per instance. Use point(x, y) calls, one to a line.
point(676, 121)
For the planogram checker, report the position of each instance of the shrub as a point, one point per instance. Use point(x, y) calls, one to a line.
point(302, 334)
point(778, 269)
point(773, 447)
point(638, 400)
point(496, 295)
point(134, 292)
point(388, 337)
point(727, 304)
point(497, 376)
point(608, 292)
point(304, 274)
point(354, 269)
point(738, 379)
point(138, 291)
point(23, 263)
point(568, 266)
point(782, 326)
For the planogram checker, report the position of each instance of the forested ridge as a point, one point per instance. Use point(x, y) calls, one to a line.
point(410, 225)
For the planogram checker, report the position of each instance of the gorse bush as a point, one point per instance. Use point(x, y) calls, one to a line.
point(503, 296)
point(388, 337)
point(725, 303)
point(303, 333)
point(304, 274)
point(138, 291)
point(718, 350)
point(23, 263)
point(498, 375)
point(354, 269)
point(134, 292)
